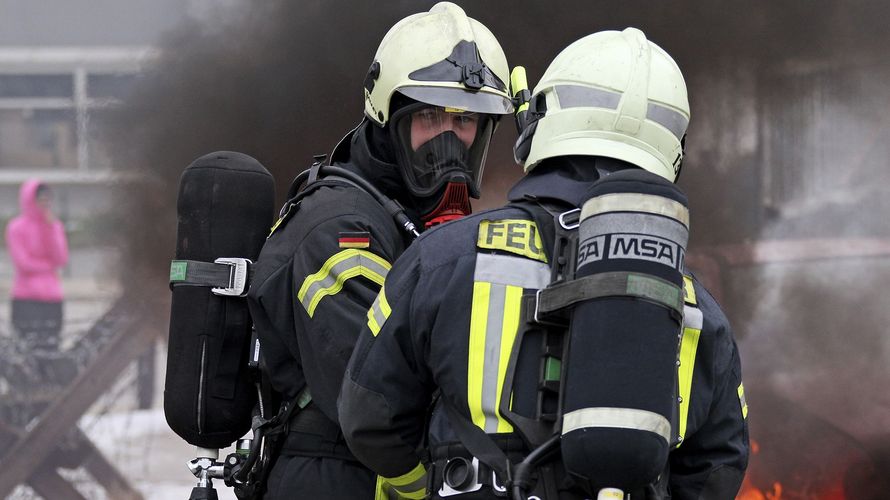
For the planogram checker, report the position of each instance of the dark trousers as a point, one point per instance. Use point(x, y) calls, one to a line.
point(37, 322)
point(298, 477)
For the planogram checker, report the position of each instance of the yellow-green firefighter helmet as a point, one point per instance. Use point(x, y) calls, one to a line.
point(612, 94)
point(442, 58)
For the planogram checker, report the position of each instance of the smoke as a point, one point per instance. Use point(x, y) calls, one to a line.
point(786, 142)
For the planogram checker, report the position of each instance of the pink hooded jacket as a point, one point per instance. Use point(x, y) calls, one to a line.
point(38, 248)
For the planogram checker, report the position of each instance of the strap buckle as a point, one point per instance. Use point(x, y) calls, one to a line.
point(571, 219)
point(238, 284)
point(547, 318)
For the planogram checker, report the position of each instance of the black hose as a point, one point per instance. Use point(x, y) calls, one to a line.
point(522, 471)
point(395, 210)
point(255, 450)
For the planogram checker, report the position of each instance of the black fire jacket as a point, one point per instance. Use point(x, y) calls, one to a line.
point(318, 272)
point(446, 318)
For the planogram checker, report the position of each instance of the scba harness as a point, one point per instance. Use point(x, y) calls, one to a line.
point(214, 391)
point(603, 340)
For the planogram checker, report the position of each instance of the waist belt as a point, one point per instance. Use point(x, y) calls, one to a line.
point(456, 472)
point(511, 444)
point(311, 433)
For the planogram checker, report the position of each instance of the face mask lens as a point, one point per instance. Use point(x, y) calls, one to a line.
point(439, 145)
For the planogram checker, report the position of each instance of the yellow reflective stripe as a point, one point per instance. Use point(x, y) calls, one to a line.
point(498, 284)
point(378, 312)
point(494, 322)
point(688, 348)
point(380, 492)
point(693, 323)
point(411, 485)
point(372, 322)
point(329, 280)
point(384, 305)
point(476, 361)
point(512, 303)
point(689, 288)
point(742, 400)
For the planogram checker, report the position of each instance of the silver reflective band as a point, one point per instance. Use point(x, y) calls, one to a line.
point(617, 418)
point(516, 271)
point(637, 223)
point(578, 96)
point(635, 202)
point(491, 367)
point(668, 118)
point(692, 318)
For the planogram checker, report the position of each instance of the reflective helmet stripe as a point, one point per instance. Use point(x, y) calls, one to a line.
point(577, 96)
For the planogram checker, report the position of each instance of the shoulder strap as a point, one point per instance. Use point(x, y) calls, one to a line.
point(477, 442)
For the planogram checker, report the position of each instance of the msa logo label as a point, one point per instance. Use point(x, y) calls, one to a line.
point(630, 246)
point(591, 250)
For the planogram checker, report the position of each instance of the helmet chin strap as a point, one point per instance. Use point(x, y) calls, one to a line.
point(455, 203)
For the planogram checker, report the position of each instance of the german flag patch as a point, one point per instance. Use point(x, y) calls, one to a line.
point(356, 239)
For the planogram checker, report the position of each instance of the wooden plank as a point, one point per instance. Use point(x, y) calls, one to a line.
point(132, 338)
point(115, 484)
point(47, 482)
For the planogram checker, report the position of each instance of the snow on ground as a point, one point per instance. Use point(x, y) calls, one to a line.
point(141, 445)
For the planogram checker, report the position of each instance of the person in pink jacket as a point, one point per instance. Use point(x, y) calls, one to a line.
point(38, 249)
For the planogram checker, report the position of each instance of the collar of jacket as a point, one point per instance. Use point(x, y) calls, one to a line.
point(564, 179)
point(371, 156)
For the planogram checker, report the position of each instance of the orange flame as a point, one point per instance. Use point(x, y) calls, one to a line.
point(751, 492)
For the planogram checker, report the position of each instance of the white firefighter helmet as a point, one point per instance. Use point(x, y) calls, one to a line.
point(612, 94)
point(450, 75)
point(440, 57)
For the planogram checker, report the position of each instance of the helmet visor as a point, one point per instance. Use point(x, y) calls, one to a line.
point(437, 145)
point(448, 97)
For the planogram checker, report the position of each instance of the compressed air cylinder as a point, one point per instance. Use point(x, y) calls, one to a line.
point(225, 207)
point(620, 393)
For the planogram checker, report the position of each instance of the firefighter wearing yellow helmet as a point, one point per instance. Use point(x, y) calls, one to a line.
point(433, 96)
point(557, 347)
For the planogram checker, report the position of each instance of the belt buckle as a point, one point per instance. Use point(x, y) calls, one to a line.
point(238, 284)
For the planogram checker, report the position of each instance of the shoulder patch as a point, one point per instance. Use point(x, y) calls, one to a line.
point(516, 236)
point(354, 239)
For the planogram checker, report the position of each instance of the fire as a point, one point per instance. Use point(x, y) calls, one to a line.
point(751, 492)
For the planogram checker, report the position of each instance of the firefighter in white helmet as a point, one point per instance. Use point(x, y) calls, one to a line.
point(434, 94)
point(621, 374)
